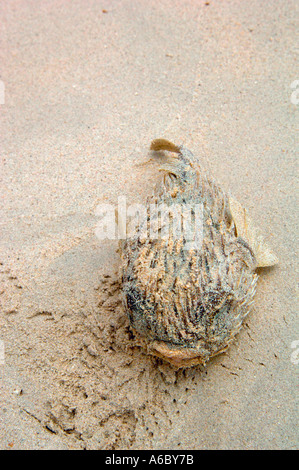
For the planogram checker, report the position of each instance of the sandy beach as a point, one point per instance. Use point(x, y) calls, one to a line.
point(84, 88)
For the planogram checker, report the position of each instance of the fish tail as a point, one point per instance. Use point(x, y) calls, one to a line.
point(163, 144)
point(180, 165)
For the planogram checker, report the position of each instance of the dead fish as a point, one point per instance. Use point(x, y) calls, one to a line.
point(190, 301)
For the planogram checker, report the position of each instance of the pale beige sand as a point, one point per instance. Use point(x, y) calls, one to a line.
point(85, 92)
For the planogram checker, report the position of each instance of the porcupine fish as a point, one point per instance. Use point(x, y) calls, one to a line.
point(188, 301)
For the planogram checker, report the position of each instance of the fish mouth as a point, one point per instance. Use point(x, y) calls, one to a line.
point(179, 356)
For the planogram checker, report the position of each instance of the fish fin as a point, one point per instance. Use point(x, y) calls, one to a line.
point(245, 229)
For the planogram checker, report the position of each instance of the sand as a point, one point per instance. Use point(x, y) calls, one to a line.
point(85, 87)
